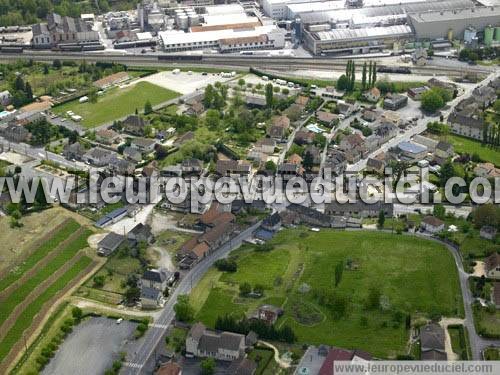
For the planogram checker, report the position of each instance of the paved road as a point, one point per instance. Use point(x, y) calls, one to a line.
point(137, 361)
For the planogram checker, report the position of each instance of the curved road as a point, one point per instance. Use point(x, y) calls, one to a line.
point(137, 361)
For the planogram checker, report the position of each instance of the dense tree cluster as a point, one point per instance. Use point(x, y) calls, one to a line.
point(262, 329)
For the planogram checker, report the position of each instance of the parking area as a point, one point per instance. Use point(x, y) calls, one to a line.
point(183, 82)
point(91, 348)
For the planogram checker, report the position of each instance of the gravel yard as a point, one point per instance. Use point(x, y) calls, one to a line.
point(182, 82)
point(91, 348)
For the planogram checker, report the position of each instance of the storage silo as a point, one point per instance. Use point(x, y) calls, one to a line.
point(497, 34)
point(183, 22)
point(488, 36)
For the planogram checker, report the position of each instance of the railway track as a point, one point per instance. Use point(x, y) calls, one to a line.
point(227, 61)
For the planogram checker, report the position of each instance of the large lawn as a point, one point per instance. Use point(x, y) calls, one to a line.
point(117, 103)
point(414, 276)
point(469, 146)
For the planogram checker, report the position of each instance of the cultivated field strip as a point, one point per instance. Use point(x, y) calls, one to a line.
point(44, 262)
point(32, 285)
point(46, 244)
point(34, 313)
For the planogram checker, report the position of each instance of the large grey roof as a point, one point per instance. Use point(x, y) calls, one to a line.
point(457, 13)
point(387, 10)
point(363, 33)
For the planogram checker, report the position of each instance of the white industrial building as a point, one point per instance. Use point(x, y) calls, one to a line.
point(227, 40)
point(360, 40)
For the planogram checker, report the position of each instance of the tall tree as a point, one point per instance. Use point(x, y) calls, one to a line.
point(353, 75)
point(269, 96)
point(363, 78)
point(29, 91)
point(374, 74)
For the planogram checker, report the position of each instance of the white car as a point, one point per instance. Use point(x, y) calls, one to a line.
point(119, 320)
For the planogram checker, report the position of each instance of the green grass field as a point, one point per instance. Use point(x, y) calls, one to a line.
point(413, 275)
point(20, 294)
point(470, 146)
point(45, 248)
point(487, 323)
point(117, 103)
point(25, 319)
point(458, 341)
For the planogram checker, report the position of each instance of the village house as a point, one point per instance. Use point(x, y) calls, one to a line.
point(192, 167)
point(444, 150)
point(393, 117)
point(107, 136)
point(111, 80)
point(315, 152)
point(140, 233)
point(223, 346)
point(359, 209)
point(121, 166)
point(338, 354)
point(15, 133)
point(151, 298)
point(369, 115)
point(416, 92)
point(484, 96)
point(242, 366)
point(327, 118)
point(134, 125)
point(265, 145)
point(335, 161)
point(233, 167)
point(156, 279)
point(354, 147)
point(74, 151)
point(144, 145)
point(109, 244)
point(98, 157)
point(214, 216)
point(432, 347)
point(133, 154)
point(268, 314)
point(276, 132)
point(467, 123)
point(303, 137)
point(375, 165)
point(346, 109)
point(492, 266)
point(372, 95)
point(386, 130)
point(394, 102)
point(272, 222)
point(432, 224)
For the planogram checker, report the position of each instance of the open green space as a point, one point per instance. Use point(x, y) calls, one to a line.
point(264, 357)
point(492, 354)
point(19, 295)
point(487, 321)
point(459, 343)
point(470, 146)
point(117, 103)
point(45, 248)
point(25, 319)
point(409, 276)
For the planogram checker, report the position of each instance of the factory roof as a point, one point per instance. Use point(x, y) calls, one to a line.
point(455, 14)
point(411, 147)
point(179, 37)
point(224, 9)
point(388, 11)
point(363, 33)
point(224, 19)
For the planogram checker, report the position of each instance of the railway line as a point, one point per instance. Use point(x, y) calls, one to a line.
point(227, 62)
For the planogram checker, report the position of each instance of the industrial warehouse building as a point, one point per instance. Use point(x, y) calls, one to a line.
point(452, 23)
point(229, 40)
point(361, 40)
